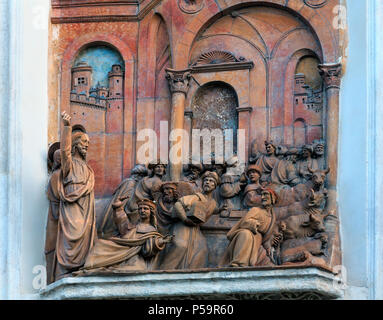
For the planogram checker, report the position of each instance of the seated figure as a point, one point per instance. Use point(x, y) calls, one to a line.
point(252, 238)
point(136, 247)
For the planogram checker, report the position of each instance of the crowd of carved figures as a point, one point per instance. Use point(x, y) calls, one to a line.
point(154, 224)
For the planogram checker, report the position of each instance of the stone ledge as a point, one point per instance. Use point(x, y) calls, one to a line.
point(292, 283)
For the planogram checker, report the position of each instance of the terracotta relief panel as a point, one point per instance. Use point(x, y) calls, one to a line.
point(267, 70)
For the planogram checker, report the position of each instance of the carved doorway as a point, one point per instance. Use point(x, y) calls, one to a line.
point(214, 106)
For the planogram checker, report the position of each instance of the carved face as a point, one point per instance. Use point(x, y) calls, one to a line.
point(209, 184)
point(306, 153)
point(316, 223)
point(270, 149)
point(318, 178)
point(168, 194)
point(319, 150)
point(253, 176)
point(144, 212)
point(57, 159)
point(159, 170)
point(194, 174)
point(82, 145)
point(266, 199)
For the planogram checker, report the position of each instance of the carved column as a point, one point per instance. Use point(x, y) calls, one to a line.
point(244, 123)
point(331, 74)
point(179, 86)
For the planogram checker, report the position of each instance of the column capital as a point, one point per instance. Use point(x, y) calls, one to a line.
point(331, 74)
point(178, 80)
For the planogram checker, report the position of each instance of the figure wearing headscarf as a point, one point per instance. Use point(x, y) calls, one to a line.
point(250, 237)
point(124, 192)
point(77, 219)
point(189, 247)
point(135, 248)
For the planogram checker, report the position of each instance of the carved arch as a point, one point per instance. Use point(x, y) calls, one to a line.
point(311, 18)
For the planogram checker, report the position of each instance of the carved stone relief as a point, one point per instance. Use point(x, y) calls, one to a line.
point(240, 69)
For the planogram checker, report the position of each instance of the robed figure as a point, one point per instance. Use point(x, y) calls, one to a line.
point(252, 238)
point(136, 246)
point(77, 219)
point(189, 247)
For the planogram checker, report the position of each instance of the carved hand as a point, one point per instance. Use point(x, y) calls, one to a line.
point(66, 119)
point(224, 207)
point(117, 204)
point(168, 238)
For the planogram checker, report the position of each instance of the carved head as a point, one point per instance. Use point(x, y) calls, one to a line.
point(253, 173)
point(268, 197)
point(139, 171)
point(315, 222)
point(318, 177)
point(147, 211)
point(158, 169)
point(194, 170)
point(319, 148)
point(80, 143)
point(307, 151)
point(270, 147)
point(210, 181)
point(169, 192)
point(316, 198)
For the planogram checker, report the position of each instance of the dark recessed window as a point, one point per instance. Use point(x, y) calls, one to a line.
point(81, 81)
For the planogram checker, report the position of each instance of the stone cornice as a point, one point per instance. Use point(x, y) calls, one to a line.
point(133, 10)
point(230, 66)
point(250, 283)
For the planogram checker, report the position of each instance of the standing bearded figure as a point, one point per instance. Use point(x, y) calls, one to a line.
point(165, 216)
point(189, 248)
point(77, 220)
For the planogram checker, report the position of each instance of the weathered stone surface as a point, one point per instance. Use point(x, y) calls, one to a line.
point(310, 283)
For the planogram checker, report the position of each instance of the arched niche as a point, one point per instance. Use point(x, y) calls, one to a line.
point(214, 106)
point(97, 103)
point(269, 36)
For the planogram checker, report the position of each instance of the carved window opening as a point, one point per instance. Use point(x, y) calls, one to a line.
point(214, 107)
